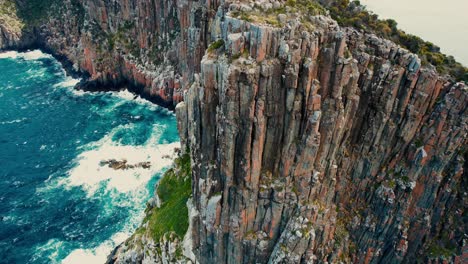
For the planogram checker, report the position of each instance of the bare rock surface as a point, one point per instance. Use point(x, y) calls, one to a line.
point(310, 143)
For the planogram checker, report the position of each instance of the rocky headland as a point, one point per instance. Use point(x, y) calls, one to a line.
point(303, 141)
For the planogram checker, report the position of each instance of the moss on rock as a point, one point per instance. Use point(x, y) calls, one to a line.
point(174, 189)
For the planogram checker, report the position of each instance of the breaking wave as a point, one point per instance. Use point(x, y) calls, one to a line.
point(81, 165)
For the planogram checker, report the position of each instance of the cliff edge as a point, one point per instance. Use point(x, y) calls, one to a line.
point(326, 144)
point(308, 142)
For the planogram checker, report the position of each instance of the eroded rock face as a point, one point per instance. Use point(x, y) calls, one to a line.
point(153, 47)
point(327, 145)
point(310, 143)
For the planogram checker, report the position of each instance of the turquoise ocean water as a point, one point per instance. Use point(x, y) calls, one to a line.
point(58, 203)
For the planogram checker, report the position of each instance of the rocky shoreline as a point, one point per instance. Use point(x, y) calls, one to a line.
point(87, 84)
point(305, 142)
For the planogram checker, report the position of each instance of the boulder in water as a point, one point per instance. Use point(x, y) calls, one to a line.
point(122, 164)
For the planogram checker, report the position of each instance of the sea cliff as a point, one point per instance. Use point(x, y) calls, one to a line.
point(308, 142)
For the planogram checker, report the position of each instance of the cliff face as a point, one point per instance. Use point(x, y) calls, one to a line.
point(310, 143)
point(313, 143)
point(153, 47)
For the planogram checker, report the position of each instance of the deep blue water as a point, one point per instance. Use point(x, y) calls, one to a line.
point(57, 203)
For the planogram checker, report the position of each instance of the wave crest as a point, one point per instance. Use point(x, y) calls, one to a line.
point(28, 55)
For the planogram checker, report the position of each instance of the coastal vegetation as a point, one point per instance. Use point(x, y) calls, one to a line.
point(9, 17)
point(353, 14)
point(216, 45)
point(437, 251)
point(173, 190)
point(271, 16)
point(33, 12)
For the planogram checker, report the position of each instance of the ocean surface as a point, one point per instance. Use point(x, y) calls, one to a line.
point(58, 202)
point(444, 23)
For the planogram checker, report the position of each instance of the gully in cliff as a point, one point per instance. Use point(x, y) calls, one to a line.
point(311, 131)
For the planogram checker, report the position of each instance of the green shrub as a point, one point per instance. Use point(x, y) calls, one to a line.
point(353, 14)
point(216, 45)
point(311, 7)
point(34, 12)
point(419, 142)
point(9, 17)
point(436, 251)
point(174, 189)
point(270, 16)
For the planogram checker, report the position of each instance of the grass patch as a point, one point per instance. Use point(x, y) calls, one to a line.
point(245, 54)
point(392, 184)
point(216, 45)
point(262, 18)
point(270, 17)
point(312, 8)
point(174, 190)
point(341, 233)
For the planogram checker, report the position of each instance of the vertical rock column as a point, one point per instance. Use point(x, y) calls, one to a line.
point(314, 146)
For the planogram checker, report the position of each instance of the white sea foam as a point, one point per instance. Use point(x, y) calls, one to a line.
point(28, 55)
point(123, 188)
point(69, 82)
point(36, 73)
point(53, 246)
point(127, 95)
point(102, 181)
point(114, 188)
point(13, 121)
point(9, 55)
point(35, 55)
point(97, 255)
point(77, 92)
point(89, 174)
point(9, 219)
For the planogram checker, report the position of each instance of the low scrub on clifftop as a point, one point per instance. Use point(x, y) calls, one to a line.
point(271, 16)
point(9, 17)
point(353, 14)
point(34, 11)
